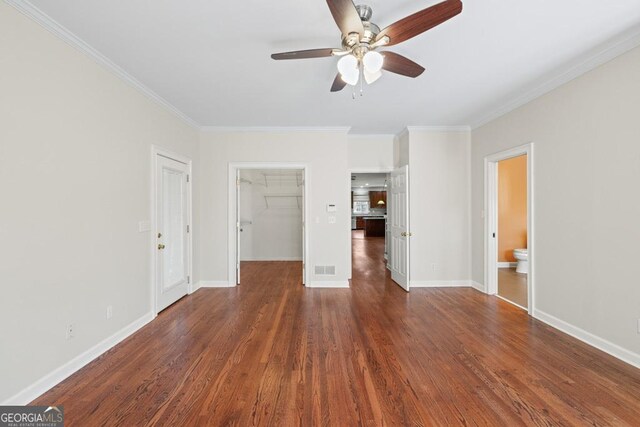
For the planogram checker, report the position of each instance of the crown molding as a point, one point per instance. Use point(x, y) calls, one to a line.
point(274, 129)
point(607, 52)
point(462, 128)
point(31, 11)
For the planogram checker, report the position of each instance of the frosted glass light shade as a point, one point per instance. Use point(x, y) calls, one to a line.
point(373, 62)
point(370, 78)
point(351, 76)
point(347, 64)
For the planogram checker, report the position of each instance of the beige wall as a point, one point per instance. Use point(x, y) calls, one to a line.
point(512, 207)
point(75, 144)
point(439, 205)
point(370, 152)
point(587, 169)
point(326, 155)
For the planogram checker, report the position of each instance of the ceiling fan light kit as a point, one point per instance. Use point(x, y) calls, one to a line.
point(359, 58)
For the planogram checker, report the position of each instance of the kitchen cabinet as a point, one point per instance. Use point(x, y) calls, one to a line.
point(375, 197)
point(374, 227)
point(359, 223)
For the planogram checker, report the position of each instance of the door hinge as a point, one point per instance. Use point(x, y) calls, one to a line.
point(187, 177)
point(188, 279)
point(187, 228)
point(494, 235)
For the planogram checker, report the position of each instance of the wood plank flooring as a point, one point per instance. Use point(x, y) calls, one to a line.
point(513, 286)
point(271, 352)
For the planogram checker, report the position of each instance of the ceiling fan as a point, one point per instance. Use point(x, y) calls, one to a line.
point(361, 38)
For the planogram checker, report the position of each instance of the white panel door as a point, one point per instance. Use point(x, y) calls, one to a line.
point(172, 196)
point(304, 225)
point(399, 229)
point(238, 236)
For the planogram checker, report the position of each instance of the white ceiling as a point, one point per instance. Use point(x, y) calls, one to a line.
point(210, 59)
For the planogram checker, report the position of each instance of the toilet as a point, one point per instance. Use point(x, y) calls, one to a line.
point(521, 255)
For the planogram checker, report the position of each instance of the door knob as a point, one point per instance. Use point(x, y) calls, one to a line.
point(403, 234)
point(160, 246)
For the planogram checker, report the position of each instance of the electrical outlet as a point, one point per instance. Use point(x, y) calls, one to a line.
point(70, 331)
point(433, 267)
point(109, 312)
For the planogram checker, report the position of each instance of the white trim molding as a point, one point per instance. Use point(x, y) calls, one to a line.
point(589, 338)
point(461, 128)
point(274, 129)
point(440, 283)
point(478, 286)
point(61, 373)
point(326, 284)
point(214, 284)
point(33, 12)
point(507, 264)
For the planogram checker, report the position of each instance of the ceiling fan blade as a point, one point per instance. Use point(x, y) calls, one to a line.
point(338, 84)
point(420, 22)
point(400, 65)
point(346, 16)
point(304, 54)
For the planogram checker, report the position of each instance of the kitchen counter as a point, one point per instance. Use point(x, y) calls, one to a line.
point(374, 226)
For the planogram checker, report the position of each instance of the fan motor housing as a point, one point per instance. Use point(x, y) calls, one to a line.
point(371, 30)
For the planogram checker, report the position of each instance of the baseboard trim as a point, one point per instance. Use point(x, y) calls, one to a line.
point(440, 283)
point(322, 284)
point(273, 259)
point(478, 286)
point(587, 337)
point(61, 373)
point(507, 264)
point(214, 284)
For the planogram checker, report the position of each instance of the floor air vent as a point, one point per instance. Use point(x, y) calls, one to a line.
point(325, 270)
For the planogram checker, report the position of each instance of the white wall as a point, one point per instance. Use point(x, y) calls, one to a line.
point(271, 226)
point(587, 169)
point(439, 205)
point(371, 153)
point(75, 148)
point(325, 153)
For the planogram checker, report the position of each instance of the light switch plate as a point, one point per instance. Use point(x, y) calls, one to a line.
point(144, 226)
point(331, 208)
point(332, 219)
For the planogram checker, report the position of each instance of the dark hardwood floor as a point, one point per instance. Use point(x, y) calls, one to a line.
point(271, 352)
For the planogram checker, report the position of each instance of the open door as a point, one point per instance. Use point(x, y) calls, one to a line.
point(399, 220)
point(304, 226)
point(238, 226)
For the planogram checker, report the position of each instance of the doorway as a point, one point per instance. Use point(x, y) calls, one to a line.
point(369, 232)
point(267, 213)
point(380, 224)
point(509, 226)
point(171, 242)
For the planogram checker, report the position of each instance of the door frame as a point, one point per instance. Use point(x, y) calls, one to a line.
point(234, 167)
point(351, 172)
point(491, 220)
point(155, 152)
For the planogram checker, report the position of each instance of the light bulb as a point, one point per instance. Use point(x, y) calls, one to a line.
point(347, 64)
point(373, 61)
point(370, 78)
point(351, 76)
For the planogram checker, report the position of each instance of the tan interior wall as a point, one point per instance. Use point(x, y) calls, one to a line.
point(512, 207)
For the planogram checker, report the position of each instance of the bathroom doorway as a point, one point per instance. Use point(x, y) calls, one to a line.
point(509, 226)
